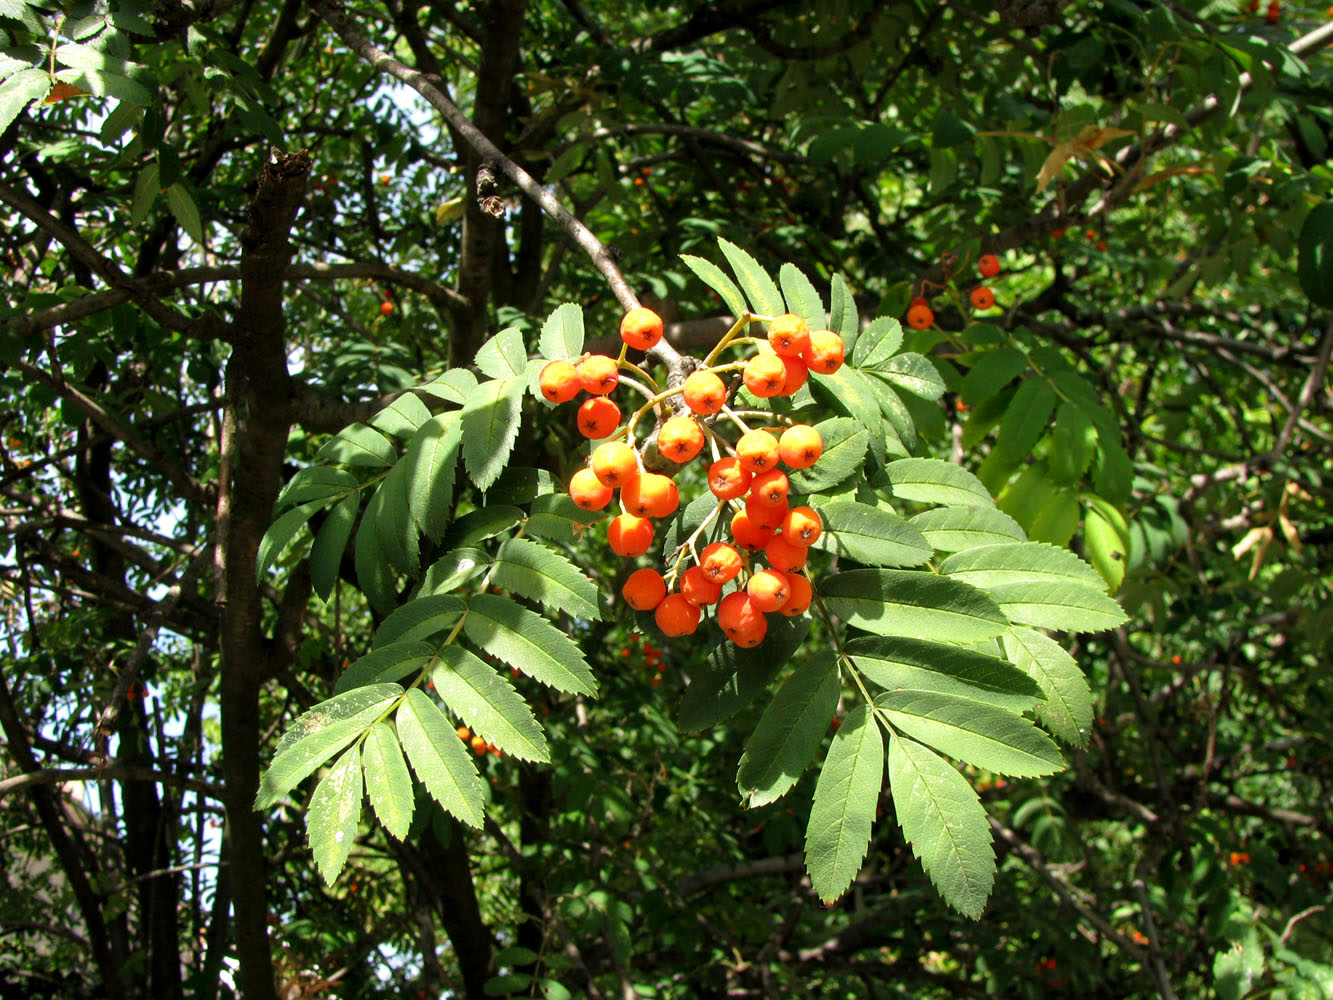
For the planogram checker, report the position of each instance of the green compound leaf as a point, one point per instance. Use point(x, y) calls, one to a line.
point(944, 821)
point(1073, 443)
point(843, 810)
point(330, 543)
point(845, 443)
point(179, 199)
point(453, 386)
point(1064, 607)
point(503, 356)
point(802, 297)
point(387, 779)
point(282, 531)
point(732, 677)
point(320, 733)
point(897, 662)
point(877, 343)
point(335, 811)
point(430, 461)
point(764, 296)
point(1024, 562)
point(956, 529)
point(439, 759)
point(843, 319)
point(419, 619)
point(980, 734)
point(453, 569)
point(852, 392)
point(1067, 710)
point(557, 517)
point(991, 373)
point(1026, 418)
point(20, 90)
point(872, 536)
point(373, 573)
point(491, 419)
point(1107, 547)
point(313, 482)
point(913, 373)
point(790, 730)
point(394, 529)
point(930, 480)
point(562, 334)
point(402, 417)
point(388, 663)
point(541, 574)
point(921, 604)
point(716, 279)
point(358, 445)
point(523, 639)
point(488, 704)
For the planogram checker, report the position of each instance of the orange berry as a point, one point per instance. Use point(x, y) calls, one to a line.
point(757, 451)
point(800, 446)
point(614, 463)
point(598, 374)
point(748, 533)
point(495, 752)
point(989, 265)
point(728, 479)
point(737, 615)
point(982, 297)
point(641, 328)
point(479, 745)
point(751, 637)
point(386, 308)
point(824, 352)
point(1057, 233)
point(704, 393)
point(589, 492)
point(802, 525)
point(768, 589)
point(463, 732)
point(789, 335)
point(763, 515)
point(800, 597)
point(676, 616)
point(920, 317)
point(720, 562)
point(1100, 245)
point(655, 681)
point(559, 381)
point(784, 555)
point(696, 588)
point(643, 590)
point(598, 417)
point(681, 438)
point(797, 371)
point(770, 489)
point(765, 375)
point(629, 535)
point(650, 495)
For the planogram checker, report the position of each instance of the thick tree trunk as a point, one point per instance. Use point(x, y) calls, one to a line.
point(258, 420)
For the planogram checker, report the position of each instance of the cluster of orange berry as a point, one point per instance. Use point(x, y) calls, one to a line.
point(747, 479)
point(478, 743)
point(921, 317)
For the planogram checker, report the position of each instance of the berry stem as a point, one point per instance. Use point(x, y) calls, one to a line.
point(740, 324)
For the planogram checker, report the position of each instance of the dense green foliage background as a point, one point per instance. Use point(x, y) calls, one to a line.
point(1151, 176)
